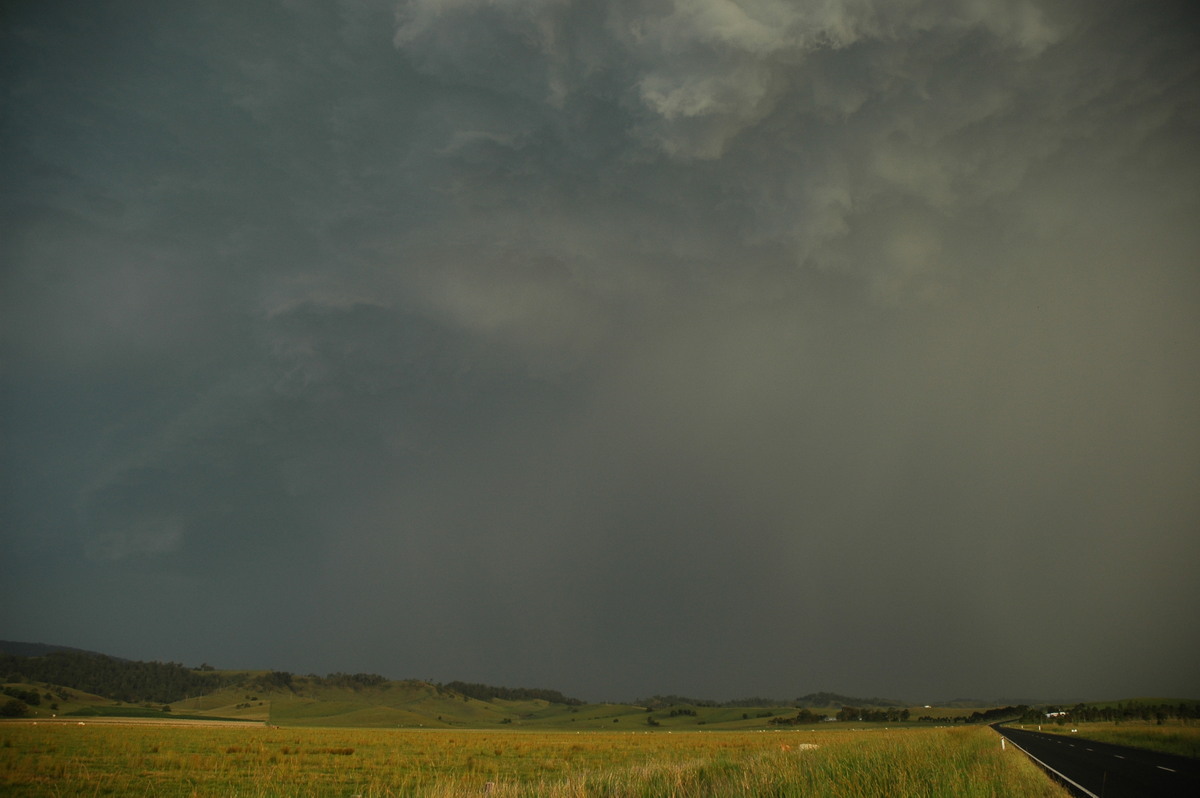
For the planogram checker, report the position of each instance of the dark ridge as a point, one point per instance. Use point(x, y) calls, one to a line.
point(42, 649)
point(486, 692)
point(838, 700)
point(123, 680)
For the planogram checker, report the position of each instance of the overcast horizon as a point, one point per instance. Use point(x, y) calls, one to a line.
point(719, 348)
point(731, 696)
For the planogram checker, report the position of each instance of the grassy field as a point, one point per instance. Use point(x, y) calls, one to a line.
point(309, 701)
point(1173, 737)
point(55, 759)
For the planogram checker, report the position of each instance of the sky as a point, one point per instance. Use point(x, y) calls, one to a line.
point(720, 348)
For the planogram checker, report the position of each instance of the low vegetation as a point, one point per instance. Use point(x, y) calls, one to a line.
point(1156, 710)
point(124, 680)
point(83, 723)
point(48, 682)
point(1171, 726)
point(70, 759)
point(1178, 737)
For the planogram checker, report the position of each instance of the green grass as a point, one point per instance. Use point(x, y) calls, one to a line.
point(51, 759)
point(129, 711)
point(417, 704)
point(1172, 737)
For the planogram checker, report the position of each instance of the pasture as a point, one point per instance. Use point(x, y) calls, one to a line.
point(57, 759)
point(1181, 738)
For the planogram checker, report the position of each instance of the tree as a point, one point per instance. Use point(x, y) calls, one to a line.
point(14, 708)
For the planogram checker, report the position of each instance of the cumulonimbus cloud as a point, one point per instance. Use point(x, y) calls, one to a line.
point(504, 320)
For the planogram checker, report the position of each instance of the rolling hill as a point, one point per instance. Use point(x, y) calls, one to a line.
point(58, 680)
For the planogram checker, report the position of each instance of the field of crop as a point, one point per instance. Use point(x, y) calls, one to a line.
point(54, 759)
point(1172, 737)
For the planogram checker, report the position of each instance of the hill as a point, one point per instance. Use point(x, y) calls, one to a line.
point(837, 701)
point(54, 679)
point(123, 680)
point(41, 649)
point(67, 681)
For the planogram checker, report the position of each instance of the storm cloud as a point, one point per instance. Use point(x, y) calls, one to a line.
point(716, 348)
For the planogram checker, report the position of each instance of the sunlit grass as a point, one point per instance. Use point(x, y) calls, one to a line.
point(1172, 737)
point(68, 759)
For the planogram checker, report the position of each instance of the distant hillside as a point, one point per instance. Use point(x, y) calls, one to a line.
point(170, 682)
point(837, 700)
point(975, 702)
point(41, 649)
point(812, 700)
point(123, 680)
point(485, 692)
point(662, 701)
point(72, 682)
point(971, 703)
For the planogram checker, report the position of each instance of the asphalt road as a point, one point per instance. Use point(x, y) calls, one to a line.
point(1110, 771)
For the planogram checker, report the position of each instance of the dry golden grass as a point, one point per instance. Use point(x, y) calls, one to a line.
point(68, 759)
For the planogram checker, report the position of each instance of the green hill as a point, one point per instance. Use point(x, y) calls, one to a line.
point(122, 680)
point(836, 700)
point(40, 649)
point(54, 680)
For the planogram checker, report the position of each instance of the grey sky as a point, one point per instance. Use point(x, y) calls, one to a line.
point(718, 348)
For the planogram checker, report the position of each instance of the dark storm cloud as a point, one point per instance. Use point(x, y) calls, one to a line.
point(711, 347)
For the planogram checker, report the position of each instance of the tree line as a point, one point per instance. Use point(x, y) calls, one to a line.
point(354, 681)
point(848, 714)
point(873, 715)
point(804, 701)
point(123, 680)
point(664, 701)
point(806, 716)
point(166, 682)
point(1125, 710)
point(487, 692)
point(802, 718)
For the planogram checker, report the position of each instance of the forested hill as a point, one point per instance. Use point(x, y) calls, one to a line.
point(485, 692)
point(41, 649)
point(837, 700)
point(123, 680)
point(168, 682)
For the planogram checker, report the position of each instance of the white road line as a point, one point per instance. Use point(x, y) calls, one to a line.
point(1169, 770)
point(1118, 756)
point(1075, 784)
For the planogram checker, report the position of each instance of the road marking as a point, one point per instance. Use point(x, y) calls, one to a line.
point(1062, 776)
point(1118, 756)
point(1169, 770)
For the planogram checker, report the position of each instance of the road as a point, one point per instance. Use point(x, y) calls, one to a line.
point(1109, 771)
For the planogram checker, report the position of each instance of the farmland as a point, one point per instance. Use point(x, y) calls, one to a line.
point(1181, 738)
point(129, 759)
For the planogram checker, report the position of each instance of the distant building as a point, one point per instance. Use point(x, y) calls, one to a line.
point(1057, 714)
